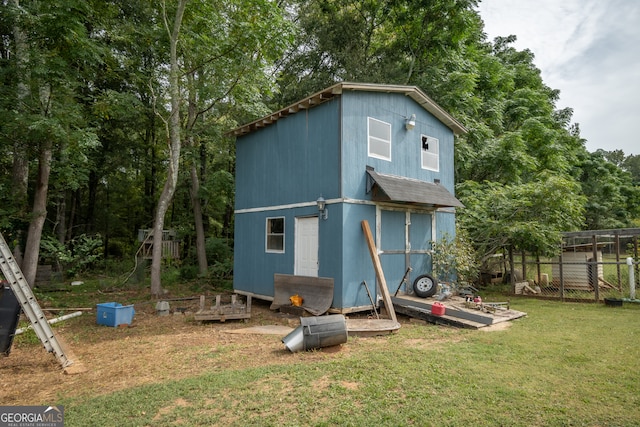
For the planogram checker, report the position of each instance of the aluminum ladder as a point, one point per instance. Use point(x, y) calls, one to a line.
point(30, 306)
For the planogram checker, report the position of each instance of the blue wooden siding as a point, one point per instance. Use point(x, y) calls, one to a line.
point(392, 230)
point(406, 145)
point(356, 265)
point(323, 151)
point(294, 160)
point(420, 234)
point(254, 268)
point(446, 221)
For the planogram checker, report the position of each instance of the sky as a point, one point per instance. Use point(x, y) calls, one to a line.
point(587, 49)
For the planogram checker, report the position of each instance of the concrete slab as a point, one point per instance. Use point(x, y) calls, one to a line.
point(262, 330)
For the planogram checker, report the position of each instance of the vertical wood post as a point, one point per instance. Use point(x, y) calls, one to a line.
point(382, 283)
point(594, 270)
point(560, 258)
point(512, 270)
point(618, 261)
point(635, 255)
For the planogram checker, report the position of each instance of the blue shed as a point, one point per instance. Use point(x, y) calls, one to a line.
point(381, 153)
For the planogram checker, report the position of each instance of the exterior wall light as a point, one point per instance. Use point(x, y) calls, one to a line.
point(322, 207)
point(410, 122)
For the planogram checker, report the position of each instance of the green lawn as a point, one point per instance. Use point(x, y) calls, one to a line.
point(564, 364)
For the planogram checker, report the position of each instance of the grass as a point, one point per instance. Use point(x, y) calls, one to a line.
point(564, 364)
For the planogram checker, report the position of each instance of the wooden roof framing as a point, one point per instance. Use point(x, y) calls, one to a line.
point(331, 92)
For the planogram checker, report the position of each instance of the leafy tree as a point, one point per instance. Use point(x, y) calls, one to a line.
point(517, 141)
point(49, 53)
point(219, 56)
point(528, 217)
point(75, 256)
point(172, 21)
point(613, 201)
point(632, 164)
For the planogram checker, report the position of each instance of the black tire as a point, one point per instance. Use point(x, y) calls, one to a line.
point(425, 286)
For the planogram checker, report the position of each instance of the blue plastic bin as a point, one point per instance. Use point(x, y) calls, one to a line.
point(114, 314)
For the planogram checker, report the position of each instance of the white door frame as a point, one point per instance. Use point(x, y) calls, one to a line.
point(306, 246)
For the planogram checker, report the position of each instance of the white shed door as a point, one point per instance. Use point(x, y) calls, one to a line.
point(306, 262)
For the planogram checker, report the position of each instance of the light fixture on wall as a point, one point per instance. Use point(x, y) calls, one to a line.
point(410, 122)
point(322, 207)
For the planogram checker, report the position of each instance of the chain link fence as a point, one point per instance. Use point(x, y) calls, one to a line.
point(592, 265)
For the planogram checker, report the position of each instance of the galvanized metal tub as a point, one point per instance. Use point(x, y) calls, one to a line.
point(317, 332)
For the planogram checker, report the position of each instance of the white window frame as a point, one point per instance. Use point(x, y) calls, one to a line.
point(377, 139)
point(269, 235)
point(431, 154)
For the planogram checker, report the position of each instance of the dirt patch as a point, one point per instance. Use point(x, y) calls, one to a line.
point(159, 348)
point(153, 349)
point(496, 327)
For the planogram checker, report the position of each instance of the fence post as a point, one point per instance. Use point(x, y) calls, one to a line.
point(618, 261)
point(561, 275)
point(595, 269)
point(632, 279)
point(512, 270)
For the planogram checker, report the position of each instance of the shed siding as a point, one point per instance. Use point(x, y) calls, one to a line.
point(406, 144)
point(294, 160)
point(356, 260)
point(446, 224)
point(254, 268)
point(284, 167)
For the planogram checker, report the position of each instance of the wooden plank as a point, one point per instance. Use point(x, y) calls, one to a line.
point(371, 327)
point(382, 283)
point(424, 314)
point(222, 312)
point(450, 311)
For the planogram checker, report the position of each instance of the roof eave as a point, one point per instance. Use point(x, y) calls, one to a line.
point(337, 89)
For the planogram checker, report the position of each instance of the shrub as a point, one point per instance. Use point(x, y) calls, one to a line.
point(75, 256)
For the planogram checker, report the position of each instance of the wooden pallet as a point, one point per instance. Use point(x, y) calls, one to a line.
point(223, 312)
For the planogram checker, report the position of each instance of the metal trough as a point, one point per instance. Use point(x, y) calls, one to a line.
point(317, 332)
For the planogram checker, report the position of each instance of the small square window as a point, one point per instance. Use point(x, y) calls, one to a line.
point(275, 235)
point(379, 134)
point(430, 153)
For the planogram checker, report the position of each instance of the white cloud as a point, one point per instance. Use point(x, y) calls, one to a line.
point(587, 49)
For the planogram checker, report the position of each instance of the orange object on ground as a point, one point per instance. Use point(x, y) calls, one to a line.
point(296, 300)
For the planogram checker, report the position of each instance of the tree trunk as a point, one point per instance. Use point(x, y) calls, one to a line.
point(61, 217)
point(20, 169)
point(39, 215)
point(174, 153)
point(201, 252)
point(196, 205)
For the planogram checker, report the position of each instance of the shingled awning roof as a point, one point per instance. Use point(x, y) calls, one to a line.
point(390, 188)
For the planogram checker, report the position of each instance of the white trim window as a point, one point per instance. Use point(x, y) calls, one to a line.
point(379, 139)
point(430, 153)
point(274, 239)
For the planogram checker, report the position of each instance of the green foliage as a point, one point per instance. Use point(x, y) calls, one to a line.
point(454, 258)
point(91, 81)
point(529, 217)
point(220, 257)
point(516, 167)
point(76, 256)
point(632, 165)
point(188, 272)
point(613, 200)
